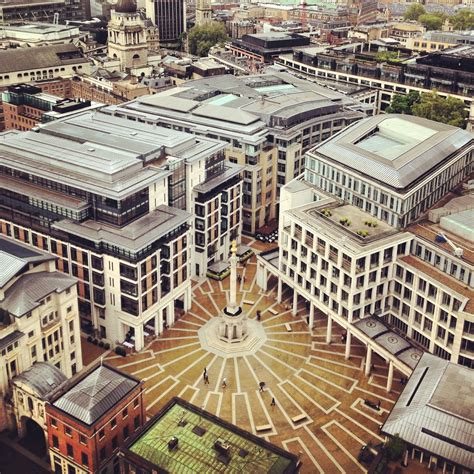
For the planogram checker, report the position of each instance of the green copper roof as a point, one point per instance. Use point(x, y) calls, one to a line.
point(196, 453)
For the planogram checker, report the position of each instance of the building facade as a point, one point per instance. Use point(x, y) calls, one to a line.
point(117, 208)
point(373, 232)
point(269, 121)
point(90, 417)
point(39, 318)
point(169, 16)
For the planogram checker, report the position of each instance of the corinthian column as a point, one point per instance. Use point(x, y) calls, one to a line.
point(233, 306)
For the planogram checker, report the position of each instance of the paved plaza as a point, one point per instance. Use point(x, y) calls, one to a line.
point(319, 410)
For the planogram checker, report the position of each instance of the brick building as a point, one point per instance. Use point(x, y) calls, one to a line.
point(90, 418)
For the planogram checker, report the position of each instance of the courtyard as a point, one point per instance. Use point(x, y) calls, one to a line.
point(319, 411)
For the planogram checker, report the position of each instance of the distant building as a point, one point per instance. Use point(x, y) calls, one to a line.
point(203, 12)
point(169, 16)
point(90, 417)
point(43, 62)
point(39, 317)
point(38, 34)
point(127, 38)
point(434, 415)
point(264, 47)
point(183, 437)
point(25, 106)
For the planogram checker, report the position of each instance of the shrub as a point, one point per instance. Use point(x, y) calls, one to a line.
point(363, 233)
point(106, 346)
point(395, 447)
point(120, 351)
point(369, 223)
point(345, 221)
point(326, 213)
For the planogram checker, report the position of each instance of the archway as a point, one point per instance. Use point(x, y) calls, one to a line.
point(33, 437)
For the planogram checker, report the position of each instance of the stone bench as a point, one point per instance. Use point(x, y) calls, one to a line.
point(273, 311)
point(263, 428)
point(288, 327)
point(248, 302)
point(298, 418)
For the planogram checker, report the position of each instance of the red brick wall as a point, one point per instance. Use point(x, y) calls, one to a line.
point(94, 443)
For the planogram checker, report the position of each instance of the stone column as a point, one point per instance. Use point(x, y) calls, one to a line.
point(279, 290)
point(311, 315)
point(368, 360)
point(233, 307)
point(158, 323)
point(265, 279)
point(139, 338)
point(405, 458)
point(348, 346)
point(295, 303)
point(329, 331)
point(390, 376)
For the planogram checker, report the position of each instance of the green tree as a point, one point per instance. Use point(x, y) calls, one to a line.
point(387, 56)
point(202, 38)
point(414, 11)
point(463, 20)
point(431, 22)
point(395, 448)
point(447, 110)
point(402, 104)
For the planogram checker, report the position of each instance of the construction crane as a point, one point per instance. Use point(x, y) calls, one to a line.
point(458, 251)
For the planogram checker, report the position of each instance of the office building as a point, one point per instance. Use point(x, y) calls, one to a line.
point(26, 106)
point(90, 417)
point(269, 121)
point(39, 320)
point(434, 416)
point(183, 437)
point(376, 236)
point(448, 71)
point(169, 16)
point(131, 209)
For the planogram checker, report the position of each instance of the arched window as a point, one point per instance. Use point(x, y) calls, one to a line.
point(30, 404)
point(136, 56)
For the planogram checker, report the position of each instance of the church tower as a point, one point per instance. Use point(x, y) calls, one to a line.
point(203, 12)
point(127, 37)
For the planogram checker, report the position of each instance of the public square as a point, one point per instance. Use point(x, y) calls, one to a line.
point(319, 396)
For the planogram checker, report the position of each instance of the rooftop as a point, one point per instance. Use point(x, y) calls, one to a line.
point(199, 433)
point(90, 396)
point(435, 411)
point(15, 257)
point(43, 378)
point(22, 59)
point(396, 150)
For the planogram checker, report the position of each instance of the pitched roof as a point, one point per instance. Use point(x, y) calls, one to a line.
point(27, 292)
point(435, 411)
point(92, 396)
point(22, 59)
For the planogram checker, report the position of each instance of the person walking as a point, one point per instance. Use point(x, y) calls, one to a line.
point(206, 379)
point(224, 382)
point(259, 315)
point(273, 402)
point(261, 386)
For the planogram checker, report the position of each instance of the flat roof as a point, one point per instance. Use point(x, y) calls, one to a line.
point(198, 432)
point(435, 411)
point(393, 149)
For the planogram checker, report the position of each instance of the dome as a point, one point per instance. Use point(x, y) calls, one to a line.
point(126, 6)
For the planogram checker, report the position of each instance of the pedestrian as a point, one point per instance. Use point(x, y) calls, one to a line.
point(378, 405)
point(205, 371)
point(261, 386)
point(206, 379)
point(259, 314)
point(273, 402)
point(224, 382)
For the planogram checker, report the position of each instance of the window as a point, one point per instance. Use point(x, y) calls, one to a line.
point(102, 454)
point(126, 432)
point(114, 442)
point(68, 431)
point(125, 412)
point(70, 450)
point(71, 469)
point(54, 422)
point(82, 439)
point(101, 434)
point(136, 421)
point(55, 442)
point(113, 423)
point(84, 459)
point(135, 402)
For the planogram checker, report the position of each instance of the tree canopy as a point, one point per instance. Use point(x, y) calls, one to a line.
point(463, 20)
point(395, 447)
point(202, 38)
point(431, 22)
point(414, 11)
point(430, 105)
point(447, 110)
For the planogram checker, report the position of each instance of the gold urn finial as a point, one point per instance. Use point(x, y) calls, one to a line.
point(234, 247)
